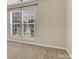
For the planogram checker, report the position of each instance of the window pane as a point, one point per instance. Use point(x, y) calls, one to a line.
point(25, 26)
point(16, 17)
point(31, 21)
point(31, 26)
point(16, 29)
point(16, 21)
point(29, 11)
point(26, 30)
point(28, 14)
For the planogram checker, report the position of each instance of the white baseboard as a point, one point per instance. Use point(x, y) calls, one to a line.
point(39, 44)
point(69, 53)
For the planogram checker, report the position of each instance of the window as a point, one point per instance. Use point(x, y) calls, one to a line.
point(22, 22)
point(28, 21)
point(15, 22)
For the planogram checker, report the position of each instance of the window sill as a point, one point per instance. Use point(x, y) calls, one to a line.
point(24, 38)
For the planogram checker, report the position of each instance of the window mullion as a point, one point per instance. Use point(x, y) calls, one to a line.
point(21, 20)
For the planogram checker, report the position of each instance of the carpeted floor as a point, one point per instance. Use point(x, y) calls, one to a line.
point(28, 51)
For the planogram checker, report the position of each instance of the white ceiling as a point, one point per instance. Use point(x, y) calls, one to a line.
point(9, 2)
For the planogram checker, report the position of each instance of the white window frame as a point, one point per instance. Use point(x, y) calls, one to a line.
point(18, 10)
point(21, 10)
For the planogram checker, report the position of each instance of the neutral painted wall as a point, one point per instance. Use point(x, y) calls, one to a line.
point(69, 26)
point(51, 23)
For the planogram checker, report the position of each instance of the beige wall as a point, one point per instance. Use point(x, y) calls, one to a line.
point(69, 26)
point(51, 22)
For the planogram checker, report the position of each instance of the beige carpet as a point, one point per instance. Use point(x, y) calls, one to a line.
point(28, 51)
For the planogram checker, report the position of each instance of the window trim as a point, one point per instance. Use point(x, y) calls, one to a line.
point(21, 21)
